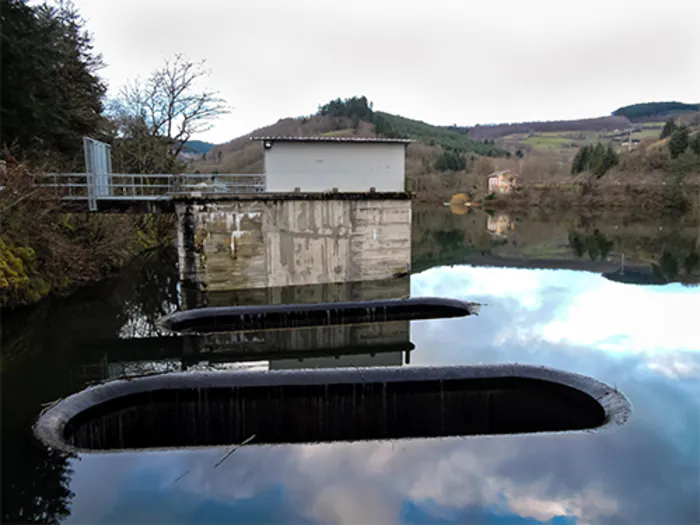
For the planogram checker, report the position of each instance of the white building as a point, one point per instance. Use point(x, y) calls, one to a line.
point(348, 164)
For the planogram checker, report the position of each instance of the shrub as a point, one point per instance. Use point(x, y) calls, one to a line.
point(44, 249)
point(19, 279)
point(686, 162)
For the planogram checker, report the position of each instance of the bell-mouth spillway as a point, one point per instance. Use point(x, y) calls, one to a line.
point(203, 409)
point(266, 317)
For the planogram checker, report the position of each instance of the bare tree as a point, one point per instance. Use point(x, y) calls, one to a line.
point(170, 104)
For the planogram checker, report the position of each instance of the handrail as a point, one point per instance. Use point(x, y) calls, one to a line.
point(168, 175)
point(138, 186)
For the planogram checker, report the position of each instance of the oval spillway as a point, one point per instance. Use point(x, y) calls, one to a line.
point(196, 409)
point(239, 318)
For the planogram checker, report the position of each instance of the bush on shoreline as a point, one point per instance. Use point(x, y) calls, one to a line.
point(44, 250)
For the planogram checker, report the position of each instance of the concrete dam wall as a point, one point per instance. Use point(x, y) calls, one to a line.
point(236, 244)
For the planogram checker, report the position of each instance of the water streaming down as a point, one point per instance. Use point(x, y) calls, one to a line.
point(205, 409)
point(241, 318)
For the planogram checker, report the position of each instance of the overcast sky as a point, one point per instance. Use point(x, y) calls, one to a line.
point(443, 62)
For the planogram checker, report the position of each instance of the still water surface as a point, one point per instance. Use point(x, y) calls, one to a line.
point(609, 297)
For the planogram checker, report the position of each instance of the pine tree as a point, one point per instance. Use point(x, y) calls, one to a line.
point(668, 129)
point(679, 141)
point(51, 95)
point(450, 161)
point(577, 163)
point(611, 158)
point(695, 143)
point(581, 160)
point(597, 162)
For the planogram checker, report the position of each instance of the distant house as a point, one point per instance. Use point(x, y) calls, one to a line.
point(321, 164)
point(502, 181)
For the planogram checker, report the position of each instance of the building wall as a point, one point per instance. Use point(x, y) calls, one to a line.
point(350, 167)
point(500, 184)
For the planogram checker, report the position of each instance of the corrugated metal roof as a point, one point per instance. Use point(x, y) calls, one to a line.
point(334, 139)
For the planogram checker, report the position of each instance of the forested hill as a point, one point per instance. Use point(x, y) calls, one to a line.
point(198, 146)
point(495, 131)
point(446, 148)
point(347, 117)
point(621, 118)
point(655, 110)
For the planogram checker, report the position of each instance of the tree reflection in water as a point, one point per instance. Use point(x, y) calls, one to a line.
point(45, 343)
point(675, 256)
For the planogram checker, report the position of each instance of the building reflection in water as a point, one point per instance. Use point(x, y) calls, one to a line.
point(378, 344)
point(500, 224)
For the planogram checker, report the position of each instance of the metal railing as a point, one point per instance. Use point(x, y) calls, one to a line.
point(127, 186)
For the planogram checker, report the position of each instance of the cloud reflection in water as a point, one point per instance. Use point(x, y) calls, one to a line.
point(638, 338)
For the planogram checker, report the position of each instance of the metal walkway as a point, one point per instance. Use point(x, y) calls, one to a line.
point(98, 183)
point(153, 187)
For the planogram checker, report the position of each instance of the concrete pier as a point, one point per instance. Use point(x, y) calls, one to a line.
point(235, 243)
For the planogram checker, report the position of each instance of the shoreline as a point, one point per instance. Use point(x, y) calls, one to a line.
point(650, 198)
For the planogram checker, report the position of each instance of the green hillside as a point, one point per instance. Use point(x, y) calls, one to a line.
point(390, 125)
point(198, 146)
point(437, 147)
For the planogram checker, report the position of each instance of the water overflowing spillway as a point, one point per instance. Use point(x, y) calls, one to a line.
point(224, 408)
point(237, 318)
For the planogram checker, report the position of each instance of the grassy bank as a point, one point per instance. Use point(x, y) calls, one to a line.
point(44, 251)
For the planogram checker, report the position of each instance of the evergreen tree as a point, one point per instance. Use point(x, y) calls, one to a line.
point(611, 158)
point(51, 95)
point(597, 161)
point(450, 161)
point(356, 108)
point(603, 158)
point(384, 128)
point(581, 160)
point(577, 241)
point(668, 129)
point(695, 143)
point(679, 141)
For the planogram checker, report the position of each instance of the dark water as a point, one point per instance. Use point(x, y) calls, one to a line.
point(612, 297)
